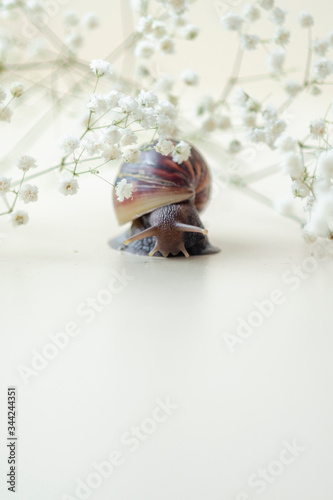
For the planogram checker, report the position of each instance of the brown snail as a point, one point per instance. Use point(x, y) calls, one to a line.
point(164, 206)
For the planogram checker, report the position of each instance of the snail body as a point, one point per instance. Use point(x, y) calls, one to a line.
point(165, 205)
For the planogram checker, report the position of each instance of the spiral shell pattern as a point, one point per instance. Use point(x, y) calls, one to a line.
point(159, 181)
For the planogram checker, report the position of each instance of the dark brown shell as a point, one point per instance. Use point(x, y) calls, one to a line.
point(159, 181)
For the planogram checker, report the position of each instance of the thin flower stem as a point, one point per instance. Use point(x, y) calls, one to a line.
point(94, 173)
point(233, 78)
point(308, 62)
point(8, 103)
point(18, 192)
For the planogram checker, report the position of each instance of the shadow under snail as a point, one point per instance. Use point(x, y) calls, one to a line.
point(164, 206)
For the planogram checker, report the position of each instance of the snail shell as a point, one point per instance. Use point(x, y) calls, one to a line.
point(164, 206)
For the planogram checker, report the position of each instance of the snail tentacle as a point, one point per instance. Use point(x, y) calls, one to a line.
point(151, 231)
point(187, 228)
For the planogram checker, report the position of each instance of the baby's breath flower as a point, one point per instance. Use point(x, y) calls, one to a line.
point(249, 119)
point(166, 45)
point(26, 162)
point(147, 99)
point(5, 113)
point(112, 98)
point(124, 190)
point(275, 60)
point(266, 4)
point(232, 21)
point(189, 32)
point(325, 164)
point(274, 129)
point(281, 36)
point(128, 137)
point(144, 49)
point(131, 154)
point(235, 146)
point(167, 109)
point(148, 119)
point(318, 128)
point(144, 24)
point(159, 29)
point(69, 143)
point(127, 104)
point(110, 152)
point(165, 83)
point(29, 193)
point(300, 189)
point(181, 152)
point(19, 218)
point(90, 20)
point(322, 68)
point(320, 46)
point(278, 16)
point(165, 126)
point(16, 89)
point(251, 13)
point(98, 103)
point(292, 165)
point(206, 104)
point(249, 42)
point(223, 122)
point(189, 77)
point(2, 94)
point(285, 143)
point(100, 67)
point(256, 135)
point(308, 236)
point(305, 19)
point(209, 124)
point(164, 147)
point(112, 135)
point(4, 185)
point(74, 41)
point(71, 18)
point(68, 186)
point(292, 88)
point(240, 97)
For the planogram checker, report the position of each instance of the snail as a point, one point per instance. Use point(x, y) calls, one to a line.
point(164, 206)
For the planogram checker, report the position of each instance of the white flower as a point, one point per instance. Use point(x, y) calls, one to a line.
point(98, 103)
point(163, 146)
point(69, 143)
point(68, 186)
point(16, 89)
point(322, 68)
point(149, 118)
point(206, 104)
point(71, 18)
point(26, 162)
point(209, 124)
point(223, 122)
point(234, 146)
point(144, 24)
point(74, 41)
point(305, 19)
point(100, 67)
point(292, 165)
point(256, 135)
point(124, 189)
point(275, 60)
point(189, 32)
point(110, 152)
point(165, 83)
point(318, 128)
point(320, 46)
point(281, 36)
point(2, 94)
point(5, 113)
point(300, 189)
point(251, 13)
point(144, 49)
point(147, 99)
point(112, 135)
point(285, 143)
point(112, 98)
point(325, 164)
point(292, 88)
point(127, 104)
point(189, 77)
point(29, 193)
point(181, 152)
point(131, 154)
point(240, 97)
point(159, 29)
point(269, 113)
point(273, 130)
point(165, 126)
point(232, 21)
point(90, 20)
point(168, 109)
point(166, 45)
point(4, 185)
point(19, 218)
point(249, 119)
point(308, 236)
point(266, 4)
point(278, 16)
point(249, 42)
point(128, 137)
